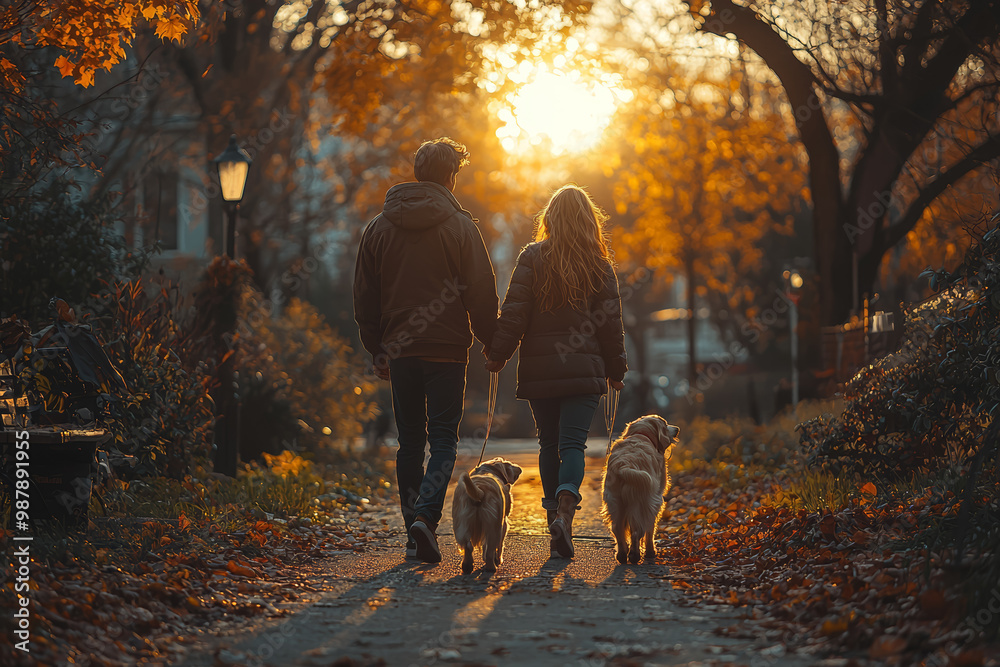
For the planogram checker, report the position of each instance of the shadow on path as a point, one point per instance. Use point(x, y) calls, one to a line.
point(589, 611)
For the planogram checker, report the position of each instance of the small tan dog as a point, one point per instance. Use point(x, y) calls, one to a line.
point(635, 480)
point(479, 511)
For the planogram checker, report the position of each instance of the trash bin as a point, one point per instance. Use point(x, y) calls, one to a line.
point(59, 466)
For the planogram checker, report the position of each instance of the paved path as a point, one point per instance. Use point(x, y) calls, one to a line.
point(381, 609)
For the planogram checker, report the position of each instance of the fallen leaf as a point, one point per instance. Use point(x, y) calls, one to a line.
point(887, 646)
point(241, 570)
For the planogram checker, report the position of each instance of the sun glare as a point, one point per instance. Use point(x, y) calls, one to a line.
point(559, 110)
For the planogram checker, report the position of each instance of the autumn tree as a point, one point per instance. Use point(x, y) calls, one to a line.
point(706, 182)
point(326, 96)
point(80, 38)
point(914, 83)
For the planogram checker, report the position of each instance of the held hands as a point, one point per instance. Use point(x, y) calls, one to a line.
point(492, 366)
point(495, 366)
point(381, 372)
point(616, 384)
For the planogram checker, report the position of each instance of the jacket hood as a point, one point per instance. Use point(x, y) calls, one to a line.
point(420, 205)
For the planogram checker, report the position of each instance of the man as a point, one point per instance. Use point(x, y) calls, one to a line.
point(423, 276)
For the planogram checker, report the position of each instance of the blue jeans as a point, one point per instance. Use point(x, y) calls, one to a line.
point(562, 425)
point(427, 399)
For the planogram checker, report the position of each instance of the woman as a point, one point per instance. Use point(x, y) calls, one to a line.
point(564, 309)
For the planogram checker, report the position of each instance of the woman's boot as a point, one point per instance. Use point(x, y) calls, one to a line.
point(562, 528)
point(550, 516)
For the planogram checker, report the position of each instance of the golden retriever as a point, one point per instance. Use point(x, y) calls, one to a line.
point(479, 511)
point(635, 481)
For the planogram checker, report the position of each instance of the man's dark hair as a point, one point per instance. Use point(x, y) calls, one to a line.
point(437, 160)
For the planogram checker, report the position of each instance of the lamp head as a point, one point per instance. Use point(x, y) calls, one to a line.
point(233, 164)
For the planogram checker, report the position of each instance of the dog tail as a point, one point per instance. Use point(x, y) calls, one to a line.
point(636, 486)
point(475, 493)
point(638, 479)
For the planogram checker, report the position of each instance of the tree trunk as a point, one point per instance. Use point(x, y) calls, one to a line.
point(835, 266)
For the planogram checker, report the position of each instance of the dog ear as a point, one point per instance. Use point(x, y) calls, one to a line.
point(667, 435)
point(511, 471)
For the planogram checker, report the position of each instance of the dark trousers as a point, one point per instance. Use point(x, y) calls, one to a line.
point(427, 398)
point(562, 425)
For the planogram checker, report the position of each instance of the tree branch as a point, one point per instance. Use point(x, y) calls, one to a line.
point(796, 77)
point(969, 92)
point(887, 55)
point(912, 110)
point(921, 34)
point(977, 25)
point(982, 154)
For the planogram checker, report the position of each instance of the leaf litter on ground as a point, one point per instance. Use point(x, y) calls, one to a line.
point(130, 590)
point(821, 582)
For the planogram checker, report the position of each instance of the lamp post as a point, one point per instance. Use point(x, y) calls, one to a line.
point(793, 281)
point(233, 165)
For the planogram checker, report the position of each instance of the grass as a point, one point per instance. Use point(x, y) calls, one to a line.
point(130, 517)
point(289, 486)
point(741, 451)
point(740, 440)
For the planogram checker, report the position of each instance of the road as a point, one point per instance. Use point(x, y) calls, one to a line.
point(379, 609)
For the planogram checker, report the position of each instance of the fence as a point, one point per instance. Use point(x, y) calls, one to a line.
point(847, 348)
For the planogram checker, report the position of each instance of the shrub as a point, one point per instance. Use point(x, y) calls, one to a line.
point(165, 418)
point(926, 416)
point(928, 405)
point(309, 372)
point(738, 441)
point(301, 386)
point(53, 246)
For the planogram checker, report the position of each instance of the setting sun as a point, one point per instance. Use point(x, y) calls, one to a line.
point(559, 109)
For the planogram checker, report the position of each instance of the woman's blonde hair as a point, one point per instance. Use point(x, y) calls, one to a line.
point(574, 250)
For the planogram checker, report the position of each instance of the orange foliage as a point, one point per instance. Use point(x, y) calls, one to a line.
point(705, 185)
point(832, 580)
point(90, 34)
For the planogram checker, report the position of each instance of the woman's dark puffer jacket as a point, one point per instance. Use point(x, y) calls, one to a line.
point(564, 352)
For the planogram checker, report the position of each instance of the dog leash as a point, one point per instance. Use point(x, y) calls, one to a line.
point(490, 409)
point(610, 414)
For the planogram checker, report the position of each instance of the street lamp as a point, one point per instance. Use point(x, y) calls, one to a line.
point(793, 282)
point(233, 165)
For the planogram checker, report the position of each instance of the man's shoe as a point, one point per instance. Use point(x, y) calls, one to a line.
point(411, 549)
point(426, 542)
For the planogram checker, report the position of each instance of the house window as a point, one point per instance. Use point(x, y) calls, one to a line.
point(159, 202)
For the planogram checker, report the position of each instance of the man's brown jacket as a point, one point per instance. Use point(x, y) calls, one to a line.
point(423, 276)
